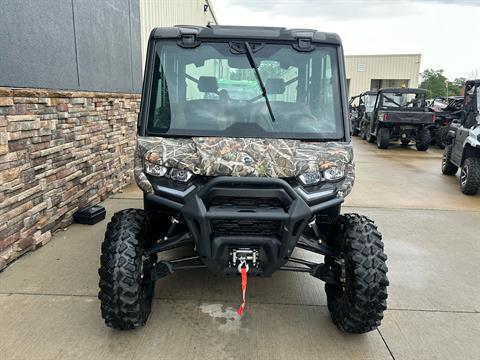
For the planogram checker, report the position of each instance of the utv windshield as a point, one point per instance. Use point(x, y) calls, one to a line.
point(402, 100)
point(213, 90)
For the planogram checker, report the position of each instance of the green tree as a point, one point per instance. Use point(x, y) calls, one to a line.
point(434, 82)
point(455, 87)
point(437, 84)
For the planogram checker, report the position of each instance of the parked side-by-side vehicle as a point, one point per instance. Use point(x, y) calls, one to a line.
point(242, 173)
point(446, 109)
point(398, 114)
point(463, 148)
point(366, 100)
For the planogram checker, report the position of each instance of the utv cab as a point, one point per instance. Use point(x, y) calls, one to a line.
point(242, 180)
point(463, 149)
point(399, 114)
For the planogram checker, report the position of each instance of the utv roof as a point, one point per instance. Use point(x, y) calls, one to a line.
point(369, 92)
point(473, 82)
point(404, 90)
point(244, 32)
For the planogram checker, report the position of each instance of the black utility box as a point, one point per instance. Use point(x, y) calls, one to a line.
point(90, 215)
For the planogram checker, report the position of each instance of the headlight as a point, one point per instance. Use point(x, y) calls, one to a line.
point(310, 178)
point(154, 169)
point(334, 173)
point(180, 175)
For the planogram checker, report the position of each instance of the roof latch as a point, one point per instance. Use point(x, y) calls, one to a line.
point(189, 41)
point(188, 37)
point(303, 44)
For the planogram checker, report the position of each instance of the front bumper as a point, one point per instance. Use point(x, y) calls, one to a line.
point(228, 213)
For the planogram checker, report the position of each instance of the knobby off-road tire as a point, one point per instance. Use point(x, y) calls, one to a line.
point(441, 137)
point(357, 305)
point(125, 293)
point(447, 167)
point(424, 138)
point(383, 138)
point(470, 176)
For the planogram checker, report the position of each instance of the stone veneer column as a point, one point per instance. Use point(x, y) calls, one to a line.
point(59, 150)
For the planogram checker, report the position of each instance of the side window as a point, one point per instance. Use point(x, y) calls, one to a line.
point(470, 110)
point(160, 107)
point(370, 102)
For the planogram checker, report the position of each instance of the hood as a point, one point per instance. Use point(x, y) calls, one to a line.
point(215, 156)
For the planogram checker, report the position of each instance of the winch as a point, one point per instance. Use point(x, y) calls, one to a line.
point(243, 257)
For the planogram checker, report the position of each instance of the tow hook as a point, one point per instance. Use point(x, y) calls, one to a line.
point(243, 257)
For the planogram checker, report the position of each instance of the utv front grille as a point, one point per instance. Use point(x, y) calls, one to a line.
point(246, 227)
point(245, 202)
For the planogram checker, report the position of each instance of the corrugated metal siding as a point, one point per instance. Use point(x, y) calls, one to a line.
point(158, 13)
point(393, 67)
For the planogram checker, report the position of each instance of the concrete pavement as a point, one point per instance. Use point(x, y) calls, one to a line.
point(49, 309)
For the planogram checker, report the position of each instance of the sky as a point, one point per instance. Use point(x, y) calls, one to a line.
point(445, 32)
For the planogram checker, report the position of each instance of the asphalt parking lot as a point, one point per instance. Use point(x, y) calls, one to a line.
point(49, 307)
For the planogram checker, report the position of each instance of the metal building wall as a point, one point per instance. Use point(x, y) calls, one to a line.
point(71, 44)
point(159, 13)
point(361, 69)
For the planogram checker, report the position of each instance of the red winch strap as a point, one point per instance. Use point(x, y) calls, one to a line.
point(243, 274)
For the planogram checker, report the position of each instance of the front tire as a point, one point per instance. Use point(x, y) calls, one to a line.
point(125, 291)
point(423, 140)
point(383, 138)
point(357, 304)
point(441, 137)
point(447, 167)
point(470, 176)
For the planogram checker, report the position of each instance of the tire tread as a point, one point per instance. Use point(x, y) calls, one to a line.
point(360, 309)
point(125, 304)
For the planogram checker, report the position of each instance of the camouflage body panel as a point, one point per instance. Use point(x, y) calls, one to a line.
point(216, 156)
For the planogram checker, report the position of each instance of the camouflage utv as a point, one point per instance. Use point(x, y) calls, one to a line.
point(250, 182)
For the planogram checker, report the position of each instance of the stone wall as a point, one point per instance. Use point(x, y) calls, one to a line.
point(59, 151)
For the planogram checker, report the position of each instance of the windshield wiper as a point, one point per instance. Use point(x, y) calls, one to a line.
point(251, 60)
